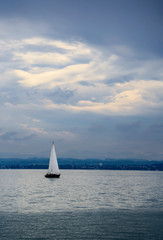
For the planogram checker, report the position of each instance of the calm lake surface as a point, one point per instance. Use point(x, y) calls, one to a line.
point(82, 204)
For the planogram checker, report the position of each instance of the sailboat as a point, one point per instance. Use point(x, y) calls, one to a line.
point(53, 171)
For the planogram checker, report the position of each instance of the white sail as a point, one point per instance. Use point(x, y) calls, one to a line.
point(53, 164)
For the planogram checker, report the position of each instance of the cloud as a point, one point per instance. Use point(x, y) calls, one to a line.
point(16, 28)
point(129, 127)
point(76, 77)
point(86, 83)
point(154, 132)
point(64, 135)
point(90, 91)
point(35, 129)
point(59, 95)
point(128, 99)
point(43, 58)
point(53, 88)
point(14, 136)
point(52, 78)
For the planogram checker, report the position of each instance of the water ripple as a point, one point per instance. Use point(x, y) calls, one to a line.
point(30, 191)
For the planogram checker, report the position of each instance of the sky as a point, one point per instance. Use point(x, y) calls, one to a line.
point(86, 74)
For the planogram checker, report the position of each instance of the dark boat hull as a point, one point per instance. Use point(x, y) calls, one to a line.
point(51, 175)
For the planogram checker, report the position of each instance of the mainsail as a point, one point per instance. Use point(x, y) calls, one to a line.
point(53, 164)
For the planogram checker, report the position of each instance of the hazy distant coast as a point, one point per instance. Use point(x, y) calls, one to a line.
point(69, 163)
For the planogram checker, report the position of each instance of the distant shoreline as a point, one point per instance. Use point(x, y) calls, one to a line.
point(85, 164)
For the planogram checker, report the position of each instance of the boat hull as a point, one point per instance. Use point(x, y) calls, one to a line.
point(52, 175)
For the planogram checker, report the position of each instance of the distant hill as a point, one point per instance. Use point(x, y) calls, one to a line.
point(70, 163)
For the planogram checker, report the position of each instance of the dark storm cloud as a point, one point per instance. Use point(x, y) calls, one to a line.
point(135, 23)
point(119, 79)
point(60, 95)
point(130, 130)
point(154, 132)
point(129, 127)
point(86, 83)
point(8, 136)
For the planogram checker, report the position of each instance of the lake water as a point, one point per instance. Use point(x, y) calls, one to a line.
point(82, 204)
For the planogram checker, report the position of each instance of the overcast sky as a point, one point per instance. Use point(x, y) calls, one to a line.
point(87, 74)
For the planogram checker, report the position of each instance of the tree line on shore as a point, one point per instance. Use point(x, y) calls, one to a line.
point(70, 163)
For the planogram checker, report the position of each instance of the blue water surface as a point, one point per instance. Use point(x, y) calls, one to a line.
point(82, 204)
